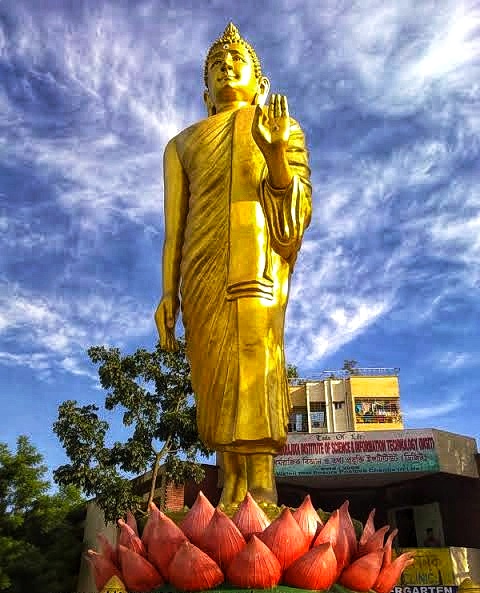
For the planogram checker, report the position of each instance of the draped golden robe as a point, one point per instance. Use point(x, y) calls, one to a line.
point(240, 244)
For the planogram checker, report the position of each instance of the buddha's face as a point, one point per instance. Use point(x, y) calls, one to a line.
point(231, 75)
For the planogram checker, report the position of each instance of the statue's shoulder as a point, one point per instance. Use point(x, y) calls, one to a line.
point(181, 136)
point(196, 129)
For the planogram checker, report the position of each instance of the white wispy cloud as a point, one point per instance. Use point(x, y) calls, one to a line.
point(455, 360)
point(437, 409)
point(385, 200)
point(50, 334)
point(116, 107)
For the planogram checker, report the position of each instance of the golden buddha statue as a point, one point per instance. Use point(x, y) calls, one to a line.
point(237, 202)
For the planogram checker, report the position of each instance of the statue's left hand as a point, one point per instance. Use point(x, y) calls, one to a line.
point(165, 316)
point(271, 126)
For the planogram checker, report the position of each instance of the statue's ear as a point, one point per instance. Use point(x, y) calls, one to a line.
point(263, 86)
point(209, 104)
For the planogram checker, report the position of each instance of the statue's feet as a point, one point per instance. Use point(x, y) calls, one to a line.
point(264, 495)
point(233, 492)
point(261, 479)
point(235, 479)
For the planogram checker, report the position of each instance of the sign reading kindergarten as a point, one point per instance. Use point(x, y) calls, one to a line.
point(358, 453)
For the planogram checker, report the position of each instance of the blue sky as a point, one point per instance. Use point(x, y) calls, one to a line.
point(389, 274)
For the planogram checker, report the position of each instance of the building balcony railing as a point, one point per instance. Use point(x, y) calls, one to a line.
point(343, 374)
point(378, 418)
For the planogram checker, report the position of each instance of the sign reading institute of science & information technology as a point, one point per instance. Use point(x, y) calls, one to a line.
point(322, 454)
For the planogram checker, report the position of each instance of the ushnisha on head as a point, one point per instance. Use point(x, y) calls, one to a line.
point(233, 74)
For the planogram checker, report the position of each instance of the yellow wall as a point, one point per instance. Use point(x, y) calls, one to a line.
point(298, 396)
point(374, 386)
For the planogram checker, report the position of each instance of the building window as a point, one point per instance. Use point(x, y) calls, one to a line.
point(373, 410)
point(298, 421)
point(317, 415)
point(338, 405)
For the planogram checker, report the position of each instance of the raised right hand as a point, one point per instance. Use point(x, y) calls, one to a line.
point(165, 318)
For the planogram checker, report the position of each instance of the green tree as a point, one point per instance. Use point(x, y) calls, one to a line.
point(154, 392)
point(40, 538)
point(350, 366)
point(292, 371)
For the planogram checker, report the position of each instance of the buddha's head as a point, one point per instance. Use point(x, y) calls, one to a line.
point(233, 74)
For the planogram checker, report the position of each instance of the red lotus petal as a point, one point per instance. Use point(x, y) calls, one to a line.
point(375, 542)
point(137, 572)
point(346, 527)
point(103, 569)
point(285, 539)
point(255, 567)
point(106, 548)
point(307, 518)
point(387, 549)
point(192, 570)
point(197, 519)
point(249, 517)
point(389, 575)
point(164, 540)
point(368, 530)
point(152, 521)
point(132, 522)
point(362, 574)
point(317, 569)
point(129, 539)
point(222, 539)
point(338, 538)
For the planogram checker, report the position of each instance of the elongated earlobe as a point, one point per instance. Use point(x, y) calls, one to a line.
point(263, 88)
point(208, 102)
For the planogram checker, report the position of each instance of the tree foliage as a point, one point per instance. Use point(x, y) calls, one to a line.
point(40, 541)
point(154, 393)
point(292, 371)
point(350, 366)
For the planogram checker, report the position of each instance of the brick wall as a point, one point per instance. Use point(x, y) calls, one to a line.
point(174, 497)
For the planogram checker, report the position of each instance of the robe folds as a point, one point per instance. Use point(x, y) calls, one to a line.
point(240, 244)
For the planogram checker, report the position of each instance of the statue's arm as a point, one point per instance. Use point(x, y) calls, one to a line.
point(288, 210)
point(175, 213)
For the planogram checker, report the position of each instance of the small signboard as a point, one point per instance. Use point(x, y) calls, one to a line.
point(432, 567)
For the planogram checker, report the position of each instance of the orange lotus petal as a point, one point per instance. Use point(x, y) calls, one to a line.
point(317, 569)
point(285, 539)
point(346, 527)
point(249, 517)
point(103, 569)
point(387, 549)
point(375, 542)
point(106, 548)
point(193, 570)
point(362, 574)
point(307, 518)
point(368, 530)
point(389, 575)
point(138, 573)
point(163, 542)
point(332, 533)
point(197, 518)
point(255, 567)
point(222, 539)
point(130, 539)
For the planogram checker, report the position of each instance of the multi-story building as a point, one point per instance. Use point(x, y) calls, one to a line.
point(341, 401)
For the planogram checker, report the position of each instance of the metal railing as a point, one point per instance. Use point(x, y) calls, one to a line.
point(344, 374)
